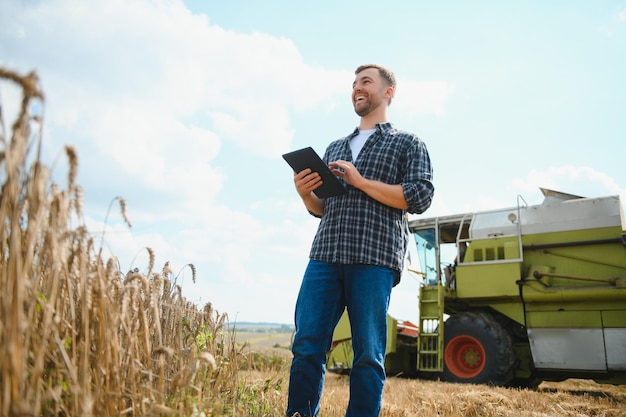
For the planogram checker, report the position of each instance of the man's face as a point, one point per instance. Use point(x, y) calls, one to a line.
point(369, 92)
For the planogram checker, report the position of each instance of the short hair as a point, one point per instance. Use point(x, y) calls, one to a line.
point(385, 72)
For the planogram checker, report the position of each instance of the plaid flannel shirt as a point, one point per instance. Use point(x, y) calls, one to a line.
point(355, 228)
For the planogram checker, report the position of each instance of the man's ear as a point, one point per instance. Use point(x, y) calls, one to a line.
point(390, 92)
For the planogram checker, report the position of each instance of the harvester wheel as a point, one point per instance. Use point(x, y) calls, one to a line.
point(477, 350)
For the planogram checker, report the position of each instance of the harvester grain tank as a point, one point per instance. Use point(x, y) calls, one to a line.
point(515, 296)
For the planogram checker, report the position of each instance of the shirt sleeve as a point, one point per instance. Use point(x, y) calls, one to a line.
point(418, 187)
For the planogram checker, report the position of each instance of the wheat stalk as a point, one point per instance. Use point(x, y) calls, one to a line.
point(79, 337)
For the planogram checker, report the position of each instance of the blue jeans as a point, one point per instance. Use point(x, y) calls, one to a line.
point(326, 289)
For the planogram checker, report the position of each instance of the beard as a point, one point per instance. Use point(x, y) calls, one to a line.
point(363, 111)
point(366, 108)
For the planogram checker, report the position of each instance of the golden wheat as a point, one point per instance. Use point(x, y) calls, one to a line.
point(78, 337)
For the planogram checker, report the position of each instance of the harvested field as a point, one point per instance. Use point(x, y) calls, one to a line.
point(422, 398)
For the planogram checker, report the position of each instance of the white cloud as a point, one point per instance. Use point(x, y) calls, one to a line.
point(153, 147)
point(159, 56)
point(422, 97)
point(583, 181)
point(262, 126)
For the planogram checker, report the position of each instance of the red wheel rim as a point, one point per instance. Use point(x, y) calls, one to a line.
point(465, 356)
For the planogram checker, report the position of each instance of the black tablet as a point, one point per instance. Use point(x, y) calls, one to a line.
point(308, 158)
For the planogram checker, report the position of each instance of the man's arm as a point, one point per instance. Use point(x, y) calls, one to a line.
point(305, 182)
point(389, 194)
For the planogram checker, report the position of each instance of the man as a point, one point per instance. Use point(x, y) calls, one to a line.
point(358, 252)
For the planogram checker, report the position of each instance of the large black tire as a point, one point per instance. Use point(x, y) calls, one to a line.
point(478, 350)
point(524, 356)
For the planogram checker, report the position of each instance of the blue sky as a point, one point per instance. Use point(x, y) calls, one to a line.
point(183, 108)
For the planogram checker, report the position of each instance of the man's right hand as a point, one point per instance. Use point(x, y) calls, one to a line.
point(306, 181)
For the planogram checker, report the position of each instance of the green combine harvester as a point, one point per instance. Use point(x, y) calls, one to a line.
point(514, 296)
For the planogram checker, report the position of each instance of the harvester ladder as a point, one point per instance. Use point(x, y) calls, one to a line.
point(430, 338)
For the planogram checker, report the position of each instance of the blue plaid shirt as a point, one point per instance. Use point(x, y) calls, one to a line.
point(355, 228)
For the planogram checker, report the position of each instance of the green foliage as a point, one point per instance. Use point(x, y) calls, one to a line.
point(204, 338)
point(259, 400)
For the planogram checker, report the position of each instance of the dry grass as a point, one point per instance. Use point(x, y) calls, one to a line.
point(78, 337)
point(432, 398)
point(421, 398)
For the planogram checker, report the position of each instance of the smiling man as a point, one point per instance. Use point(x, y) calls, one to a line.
point(358, 251)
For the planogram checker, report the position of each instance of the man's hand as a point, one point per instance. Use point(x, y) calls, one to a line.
point(306, 181)
point(348, 172)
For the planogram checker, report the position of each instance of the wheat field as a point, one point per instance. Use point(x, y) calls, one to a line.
point(81, 337)
point(78, 336)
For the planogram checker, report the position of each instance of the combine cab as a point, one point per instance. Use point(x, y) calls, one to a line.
point(515, 296)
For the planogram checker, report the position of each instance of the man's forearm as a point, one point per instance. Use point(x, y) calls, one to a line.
point(389, 194)
point(314, 204)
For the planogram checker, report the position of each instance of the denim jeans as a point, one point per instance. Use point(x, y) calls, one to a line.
point(326, 289)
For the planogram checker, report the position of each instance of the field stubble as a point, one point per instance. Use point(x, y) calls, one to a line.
point(424, 398)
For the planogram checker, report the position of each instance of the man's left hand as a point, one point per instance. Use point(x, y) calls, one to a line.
point(347, 171)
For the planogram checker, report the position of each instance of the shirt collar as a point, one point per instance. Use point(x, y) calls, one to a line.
point(380, 127)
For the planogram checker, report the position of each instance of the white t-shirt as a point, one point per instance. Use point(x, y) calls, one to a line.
point(357, 142)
